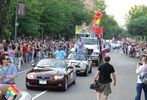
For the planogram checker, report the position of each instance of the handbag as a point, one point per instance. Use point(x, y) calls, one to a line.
point(92, 86)
point(97, 86)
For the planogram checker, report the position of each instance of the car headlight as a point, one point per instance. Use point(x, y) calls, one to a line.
point(58, 77)
point(30, 76)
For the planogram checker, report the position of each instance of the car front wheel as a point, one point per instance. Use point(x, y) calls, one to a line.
point(28, 87)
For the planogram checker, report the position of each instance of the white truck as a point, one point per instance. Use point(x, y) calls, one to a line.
point(91, 44)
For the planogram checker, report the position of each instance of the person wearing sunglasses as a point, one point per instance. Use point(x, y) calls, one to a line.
point(7, 74)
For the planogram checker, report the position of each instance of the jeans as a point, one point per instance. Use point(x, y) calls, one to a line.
point(139, 88)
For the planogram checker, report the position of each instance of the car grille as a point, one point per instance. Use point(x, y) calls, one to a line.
point(77, 66)
point(90, 51)
point(43, 77)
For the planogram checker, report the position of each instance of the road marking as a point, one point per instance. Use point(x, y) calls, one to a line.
point(38, 95)
point(23, 71)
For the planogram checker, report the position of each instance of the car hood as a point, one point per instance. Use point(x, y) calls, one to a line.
point(90, 46)
point(74, 61)
point(48, 71)
point(80, 63)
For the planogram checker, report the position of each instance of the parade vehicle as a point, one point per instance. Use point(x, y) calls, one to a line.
point(92, 46)
point(81, 62)
point(51, 73)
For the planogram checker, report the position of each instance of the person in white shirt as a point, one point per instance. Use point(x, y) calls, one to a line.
point(141, 70)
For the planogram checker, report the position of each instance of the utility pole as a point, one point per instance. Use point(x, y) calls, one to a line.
point(16, 19)
point(100, 48)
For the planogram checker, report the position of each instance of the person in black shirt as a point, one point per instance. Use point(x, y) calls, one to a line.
point(103, 78)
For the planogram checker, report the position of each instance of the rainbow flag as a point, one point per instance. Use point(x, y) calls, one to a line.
point(12, 91)
point(97, 21)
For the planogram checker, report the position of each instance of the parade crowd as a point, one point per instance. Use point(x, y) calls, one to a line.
point(31, 50)
point(135, 49)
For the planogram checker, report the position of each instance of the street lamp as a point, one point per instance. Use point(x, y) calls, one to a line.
point(20, 12)
point(16, 19)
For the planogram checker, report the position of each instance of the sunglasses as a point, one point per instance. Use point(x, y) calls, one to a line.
point(6, 59)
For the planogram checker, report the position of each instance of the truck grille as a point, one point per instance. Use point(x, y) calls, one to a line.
point(90, 51)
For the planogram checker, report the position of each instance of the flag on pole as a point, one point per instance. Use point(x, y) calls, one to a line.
point(21, 9)
point(12, 91)
point(98, 30)
point(97, 21)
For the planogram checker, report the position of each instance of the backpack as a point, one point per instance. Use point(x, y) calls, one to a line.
point(144, 78)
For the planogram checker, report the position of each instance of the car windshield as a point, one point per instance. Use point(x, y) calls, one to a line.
point(76, 57)
point(54, 63)
point(89, 41)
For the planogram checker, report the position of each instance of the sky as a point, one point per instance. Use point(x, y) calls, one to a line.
point(119, 8)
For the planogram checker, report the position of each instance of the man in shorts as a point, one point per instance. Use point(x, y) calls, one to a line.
point(103, 76)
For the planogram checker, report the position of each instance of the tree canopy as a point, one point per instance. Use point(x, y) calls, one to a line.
point(53, 18)
point(137, 21)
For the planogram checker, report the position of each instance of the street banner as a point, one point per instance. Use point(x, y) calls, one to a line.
point(78, 29)
point(21, 9)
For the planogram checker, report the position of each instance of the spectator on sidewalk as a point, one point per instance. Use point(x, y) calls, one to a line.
point(7, 70)
point(7, 74)
point(141, 70)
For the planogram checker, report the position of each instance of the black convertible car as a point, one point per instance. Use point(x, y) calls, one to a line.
point(51, 73)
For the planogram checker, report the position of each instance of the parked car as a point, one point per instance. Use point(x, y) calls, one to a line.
point(51, 73)
point(81, 62)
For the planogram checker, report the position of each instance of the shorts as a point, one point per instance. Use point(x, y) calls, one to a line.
point(104, 88)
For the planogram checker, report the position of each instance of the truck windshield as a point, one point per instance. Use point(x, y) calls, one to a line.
point(89, 41)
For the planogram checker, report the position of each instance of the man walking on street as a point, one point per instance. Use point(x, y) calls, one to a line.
point(141, 70)
point(103, 76)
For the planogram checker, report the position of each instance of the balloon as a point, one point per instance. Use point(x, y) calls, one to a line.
point(99, 14)
point(96, 17)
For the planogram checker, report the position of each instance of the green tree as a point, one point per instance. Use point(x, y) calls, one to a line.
point(137, 11)
point(61, 17)
point(99, 5)
point(4, 6)
point(30, 24)
point(138, 26)
point(137, 18)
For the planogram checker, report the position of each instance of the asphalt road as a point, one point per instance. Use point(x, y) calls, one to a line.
point(124, 90)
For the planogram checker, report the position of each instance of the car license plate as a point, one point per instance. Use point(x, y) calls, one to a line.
point(42, 82)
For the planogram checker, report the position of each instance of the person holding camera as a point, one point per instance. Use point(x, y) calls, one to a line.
point(141, 70)
point(102, 78)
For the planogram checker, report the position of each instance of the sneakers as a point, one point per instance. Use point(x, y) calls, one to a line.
point(32, 61)
point(18, 67)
